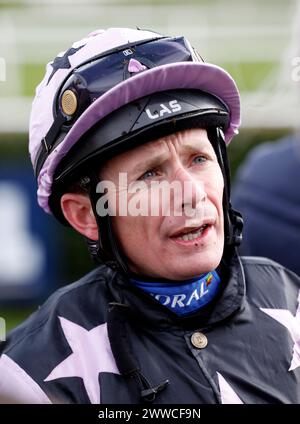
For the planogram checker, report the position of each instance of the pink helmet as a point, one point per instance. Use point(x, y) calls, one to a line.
point(102, 73)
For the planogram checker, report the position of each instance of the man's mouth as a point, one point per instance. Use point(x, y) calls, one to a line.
point(194, 234)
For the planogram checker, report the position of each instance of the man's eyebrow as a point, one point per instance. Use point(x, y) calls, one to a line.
point(154, 161)
point(194, 148)
point(198, 148)
point(148, 163)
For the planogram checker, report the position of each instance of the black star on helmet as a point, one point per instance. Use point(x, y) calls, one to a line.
point(62, 62)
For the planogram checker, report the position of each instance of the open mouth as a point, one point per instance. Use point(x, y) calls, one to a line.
point(192, 234)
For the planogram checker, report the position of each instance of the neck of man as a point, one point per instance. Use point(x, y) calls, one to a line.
point(181, 297)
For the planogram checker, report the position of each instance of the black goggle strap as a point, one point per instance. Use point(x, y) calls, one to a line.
point(48, 142)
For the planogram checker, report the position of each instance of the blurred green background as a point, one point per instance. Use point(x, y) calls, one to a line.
point(253, 40)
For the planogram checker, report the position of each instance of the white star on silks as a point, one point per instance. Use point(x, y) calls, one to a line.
point(292, 323)
point(91, 355)
point(228, 395)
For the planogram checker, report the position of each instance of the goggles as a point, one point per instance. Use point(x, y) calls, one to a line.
point(93, 78)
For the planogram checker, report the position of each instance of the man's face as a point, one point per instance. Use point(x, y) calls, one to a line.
point(188, 240)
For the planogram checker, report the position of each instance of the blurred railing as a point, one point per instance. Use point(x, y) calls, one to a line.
point(247, 38)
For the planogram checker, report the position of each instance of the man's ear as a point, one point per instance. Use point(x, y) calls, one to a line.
point(78, 211)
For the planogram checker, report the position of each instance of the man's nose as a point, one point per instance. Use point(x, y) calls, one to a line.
point(193, 194)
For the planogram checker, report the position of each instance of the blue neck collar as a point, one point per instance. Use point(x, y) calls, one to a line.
point(182, 297)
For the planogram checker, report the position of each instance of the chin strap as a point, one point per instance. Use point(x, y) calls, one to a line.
point(233, 220)
point(235, 237)
point(105, 249)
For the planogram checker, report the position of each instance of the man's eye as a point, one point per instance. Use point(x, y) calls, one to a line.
point(199, 159)
point(148, 174)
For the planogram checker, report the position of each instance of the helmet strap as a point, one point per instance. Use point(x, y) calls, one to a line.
point(233, 221)
point(106, 248)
